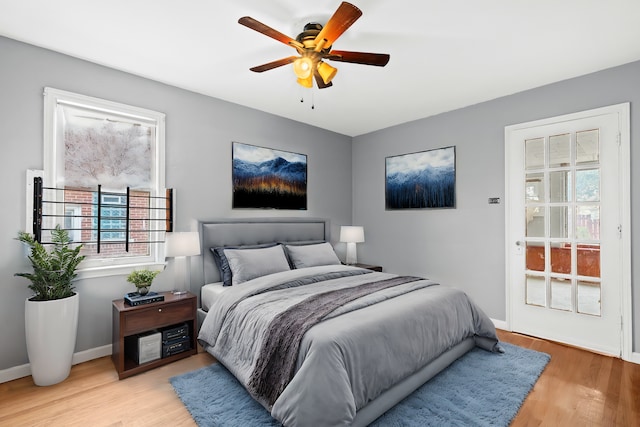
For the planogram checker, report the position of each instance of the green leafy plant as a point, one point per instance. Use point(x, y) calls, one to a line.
point(142, 278)
point(54, 269)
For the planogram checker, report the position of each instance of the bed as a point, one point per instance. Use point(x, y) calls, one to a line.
point(323, 343)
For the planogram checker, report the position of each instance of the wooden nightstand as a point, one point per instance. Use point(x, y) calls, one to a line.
point(128, 321)
point(369, 267)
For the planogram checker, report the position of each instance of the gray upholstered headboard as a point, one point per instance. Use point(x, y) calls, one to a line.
point(252, 231)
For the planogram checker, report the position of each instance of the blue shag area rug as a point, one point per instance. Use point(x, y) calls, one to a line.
point(479, 389)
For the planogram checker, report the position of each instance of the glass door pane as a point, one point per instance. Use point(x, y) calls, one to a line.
point(588, 146)
point(561, 295)
point(536, 290)
point(535, 255)
point(588, 260)
point(589, 298)
point(560, 186)
point(561, 258)
point(534, 153)
point(588, 222)
point(559, 150)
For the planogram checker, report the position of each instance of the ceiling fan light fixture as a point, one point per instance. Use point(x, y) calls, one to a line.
point(308, 82)
point(326, 71)
point(303, 67)
point(314, 45)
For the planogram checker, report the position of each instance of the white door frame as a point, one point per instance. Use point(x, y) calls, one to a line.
point(624, 141)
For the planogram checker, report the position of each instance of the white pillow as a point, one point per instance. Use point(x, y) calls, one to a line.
point(247, 264)
point(312, 255)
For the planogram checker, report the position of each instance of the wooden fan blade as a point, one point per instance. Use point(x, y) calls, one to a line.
point(274, 64)
point(343, 18)
point(258, 26)
point(321, 84)
point(378, 59)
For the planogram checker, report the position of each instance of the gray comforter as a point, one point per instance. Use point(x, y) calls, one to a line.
point(357, 352)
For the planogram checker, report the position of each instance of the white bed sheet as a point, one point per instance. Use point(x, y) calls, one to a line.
point(210, 293)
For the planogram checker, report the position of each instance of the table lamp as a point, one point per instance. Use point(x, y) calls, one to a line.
point(180, 245)
point(351, 235)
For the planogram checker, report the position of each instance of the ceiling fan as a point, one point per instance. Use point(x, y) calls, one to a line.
point(314, 46)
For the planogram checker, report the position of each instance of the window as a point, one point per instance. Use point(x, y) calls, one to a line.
point(113, 212)
point(99, 158)
point(73, 221)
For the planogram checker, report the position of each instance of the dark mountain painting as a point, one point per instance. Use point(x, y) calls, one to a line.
point(266, 178)
point(421, 180)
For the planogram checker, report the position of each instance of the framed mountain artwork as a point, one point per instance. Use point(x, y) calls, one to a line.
point(265, 178)
point(422, 180)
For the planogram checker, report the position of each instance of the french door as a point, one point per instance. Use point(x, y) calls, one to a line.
point(567, 228)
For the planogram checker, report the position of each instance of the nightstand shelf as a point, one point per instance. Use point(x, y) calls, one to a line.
point(129, 321)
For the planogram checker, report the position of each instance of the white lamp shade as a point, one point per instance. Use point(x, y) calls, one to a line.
point(185, 243)
point(351, 234)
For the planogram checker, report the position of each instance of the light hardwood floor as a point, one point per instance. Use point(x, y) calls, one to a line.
point(577, 388)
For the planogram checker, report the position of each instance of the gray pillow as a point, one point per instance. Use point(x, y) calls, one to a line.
point(299, 243)
point(312, 255)
point(247, 264)
point(222, 263)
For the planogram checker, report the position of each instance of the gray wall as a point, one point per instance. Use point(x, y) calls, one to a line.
point(464, 247)
point(199, 132)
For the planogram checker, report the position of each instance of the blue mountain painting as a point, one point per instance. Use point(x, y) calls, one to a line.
point(421, 180)
point(266, 178)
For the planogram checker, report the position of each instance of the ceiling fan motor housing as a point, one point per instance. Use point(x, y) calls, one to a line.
point(308, 36)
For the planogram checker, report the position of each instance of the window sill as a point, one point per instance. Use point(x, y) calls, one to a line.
point(116, 270)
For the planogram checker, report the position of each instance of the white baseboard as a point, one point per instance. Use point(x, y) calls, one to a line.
point(15, 373)
point(92, 353)
point(21, 371)
point(500, 324)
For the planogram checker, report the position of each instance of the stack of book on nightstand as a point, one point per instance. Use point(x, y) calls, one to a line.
point(134, 298)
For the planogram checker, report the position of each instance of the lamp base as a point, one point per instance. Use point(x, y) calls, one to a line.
point(183, 278)
point(352, 254)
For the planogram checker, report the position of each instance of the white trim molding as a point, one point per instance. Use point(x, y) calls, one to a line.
point(22, 371)
point(501, 324)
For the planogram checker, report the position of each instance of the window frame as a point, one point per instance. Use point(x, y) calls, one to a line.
point(54, 149)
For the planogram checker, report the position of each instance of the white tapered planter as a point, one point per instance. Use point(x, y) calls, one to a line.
point(51, 328)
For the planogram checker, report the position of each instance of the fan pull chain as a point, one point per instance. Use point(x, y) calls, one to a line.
point(301, 91)
point(313, 103)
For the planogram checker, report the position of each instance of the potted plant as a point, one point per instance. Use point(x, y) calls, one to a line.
point(142, 279)
point(51, 314)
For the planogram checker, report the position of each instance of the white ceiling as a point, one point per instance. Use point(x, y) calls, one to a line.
point(445, 54)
